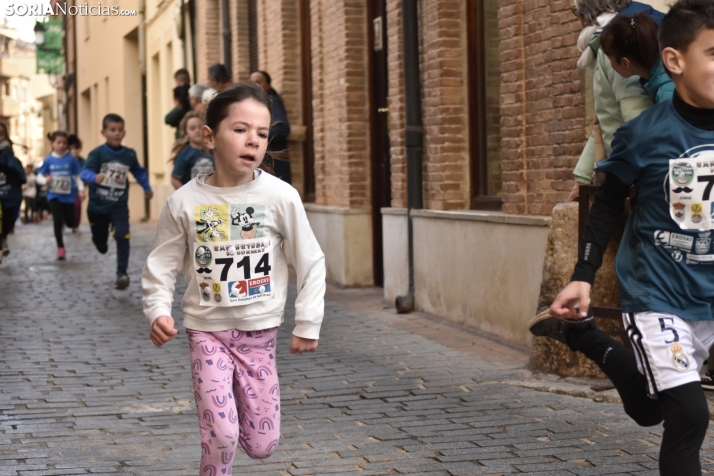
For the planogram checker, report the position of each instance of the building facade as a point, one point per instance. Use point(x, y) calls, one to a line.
point(505, 115)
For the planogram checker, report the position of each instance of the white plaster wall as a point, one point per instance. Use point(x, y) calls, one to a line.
point(481, 271)
point(396, 252)
point(345, 236)
point(661, 5)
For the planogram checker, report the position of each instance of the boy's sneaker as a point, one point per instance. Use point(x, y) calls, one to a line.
point(545, 325)
point(5, 249)
point(102, 248)
point(708, 380)
point(61, 255)
point(122, 281)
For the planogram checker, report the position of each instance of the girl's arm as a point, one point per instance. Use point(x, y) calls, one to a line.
point(163, 264)
point(309, 262)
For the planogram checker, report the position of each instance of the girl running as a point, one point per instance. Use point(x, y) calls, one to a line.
point(229, 232)
point(60, 171)
point(187, 154)
point(632, 46)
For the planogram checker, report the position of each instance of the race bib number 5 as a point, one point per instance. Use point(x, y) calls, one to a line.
point(233, 273)
point(690, 193)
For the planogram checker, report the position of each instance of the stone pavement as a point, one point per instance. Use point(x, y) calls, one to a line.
point(84, 391)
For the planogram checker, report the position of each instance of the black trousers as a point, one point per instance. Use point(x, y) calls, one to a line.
point(683, 409)
point(62, 214)
point(8, 215)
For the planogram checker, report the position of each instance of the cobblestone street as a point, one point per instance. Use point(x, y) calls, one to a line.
point(83, 390)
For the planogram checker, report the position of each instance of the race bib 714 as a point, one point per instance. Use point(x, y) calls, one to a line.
point(233, 273)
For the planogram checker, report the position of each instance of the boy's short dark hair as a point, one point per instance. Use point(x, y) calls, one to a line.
point(265, 75)
point(182, 73)
point(684, 22)
point(111, 117)
point(219, 73)
point(74, 142)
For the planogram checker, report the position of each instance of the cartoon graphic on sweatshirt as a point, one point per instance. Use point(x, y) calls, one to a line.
point(210, 224)
point(229, 222)
point(246, 221)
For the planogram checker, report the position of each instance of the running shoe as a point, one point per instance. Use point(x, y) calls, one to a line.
point(122, 281)
point(545, 325)
point(708, 380)
point(5, 249)
point(61, 255)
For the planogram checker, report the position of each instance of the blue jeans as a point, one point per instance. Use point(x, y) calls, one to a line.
point(118, 221)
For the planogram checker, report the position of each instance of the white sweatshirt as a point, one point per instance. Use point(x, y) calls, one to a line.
point(230, 242)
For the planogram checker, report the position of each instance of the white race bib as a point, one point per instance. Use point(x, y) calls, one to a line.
point(114, 175)
point(233, 273)
point(690, 193)
point(61, 184)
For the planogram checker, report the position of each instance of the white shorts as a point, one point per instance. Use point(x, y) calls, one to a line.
point(670, 351)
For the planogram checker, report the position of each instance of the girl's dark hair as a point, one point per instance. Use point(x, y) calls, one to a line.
point(632, 37)
point(589, 10)
point(218, 108)
point(57, 134)
point(183, 142)
point(683, 23)
point(74, 142)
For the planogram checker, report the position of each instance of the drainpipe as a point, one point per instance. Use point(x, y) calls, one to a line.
point(226, 37)
point(183, 36)
point(144, 115)
point(413, 136)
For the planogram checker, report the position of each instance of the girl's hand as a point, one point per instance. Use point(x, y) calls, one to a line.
point(299, 345)
point(48, 179)
point(99, 179)
point(162, 330)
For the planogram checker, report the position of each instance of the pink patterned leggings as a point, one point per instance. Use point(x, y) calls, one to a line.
point(235, 383)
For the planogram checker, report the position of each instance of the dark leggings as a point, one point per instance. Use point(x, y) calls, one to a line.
point(683, 409)
point(8, 215)
point(62, 214)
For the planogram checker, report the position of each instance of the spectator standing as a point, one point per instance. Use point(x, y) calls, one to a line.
point(218, 78)
point(279, 129)
point(181, 102)
point(195, 97)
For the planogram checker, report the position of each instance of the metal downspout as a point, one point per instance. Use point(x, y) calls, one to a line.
point(413, 136)
point(144, 115)
point(226, 27)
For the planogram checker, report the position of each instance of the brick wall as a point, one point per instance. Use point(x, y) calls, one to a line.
point(340, 102)
point(542, 106)
point(207, 37)
point(443, 52)
point(240, 40)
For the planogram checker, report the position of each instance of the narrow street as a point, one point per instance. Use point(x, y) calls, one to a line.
point(84, 391)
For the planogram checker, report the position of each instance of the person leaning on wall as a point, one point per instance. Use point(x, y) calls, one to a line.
point(617, 99)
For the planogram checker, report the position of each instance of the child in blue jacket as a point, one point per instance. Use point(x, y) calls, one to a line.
point(106, 170)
